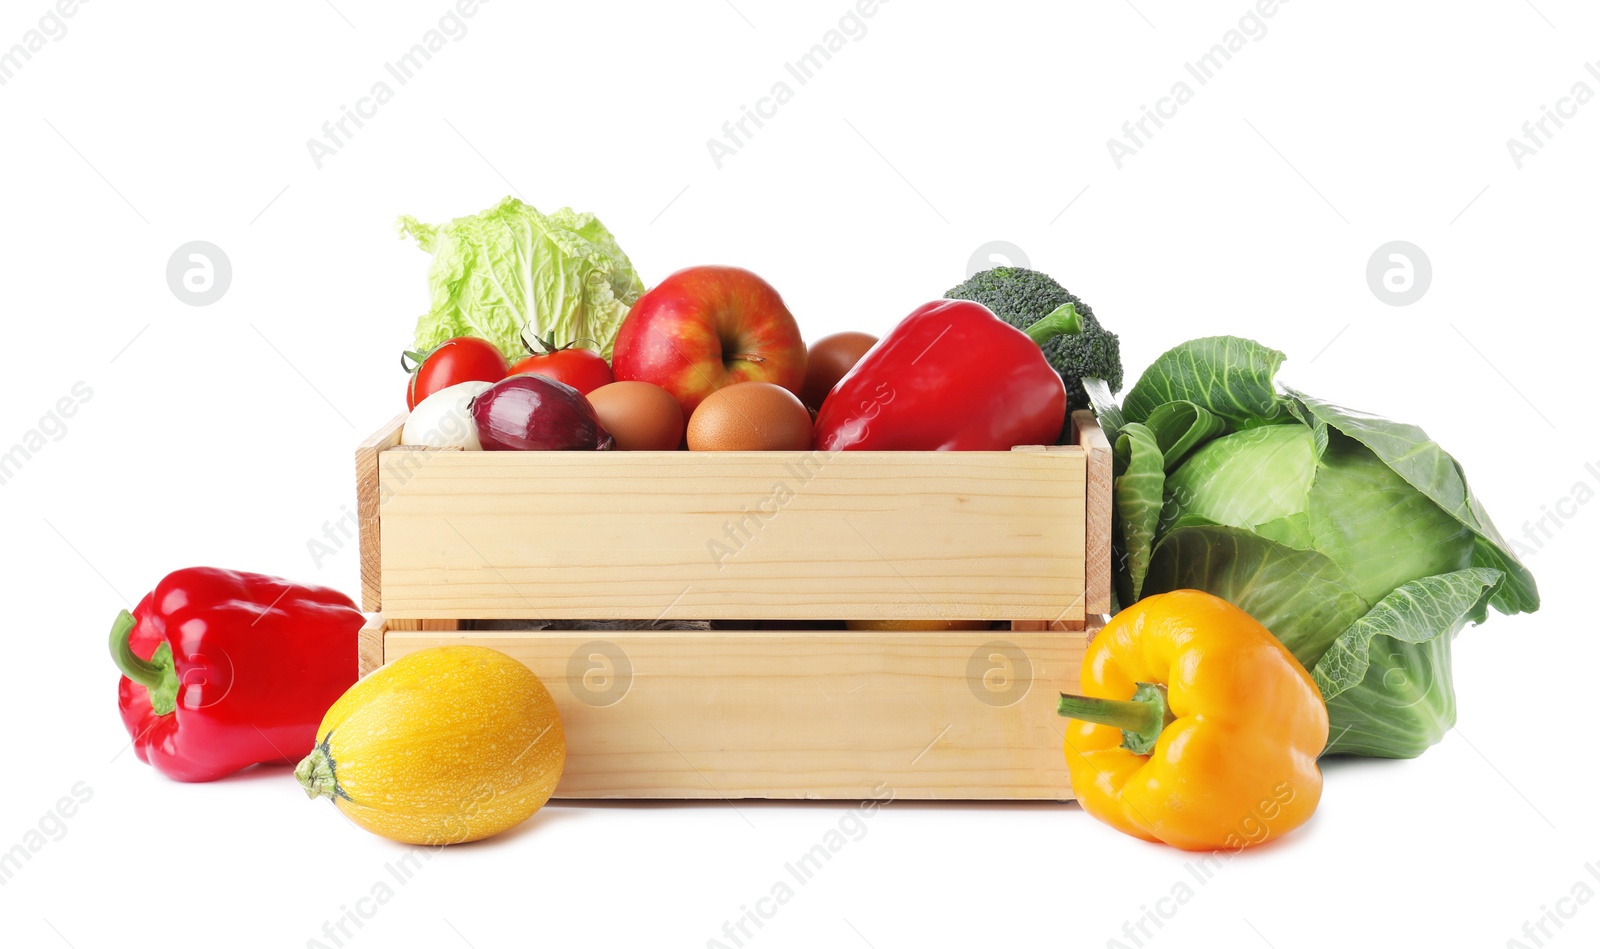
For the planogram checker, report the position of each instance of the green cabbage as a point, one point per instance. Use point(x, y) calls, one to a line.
point(1354, 539)
point(511, 274)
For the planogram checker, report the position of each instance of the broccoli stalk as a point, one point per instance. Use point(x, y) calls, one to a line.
point(1022, 297)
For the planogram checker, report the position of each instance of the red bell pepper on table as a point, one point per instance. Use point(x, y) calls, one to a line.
point(952, 376)
point(223, 670)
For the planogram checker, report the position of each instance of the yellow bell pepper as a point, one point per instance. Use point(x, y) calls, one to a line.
point(1199, 730)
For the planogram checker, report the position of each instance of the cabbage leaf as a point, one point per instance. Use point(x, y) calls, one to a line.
point(1301, 596)
point(1136, 493)
point(1354, 539)
point(1229, 377)
point(1387, 678)
point(511, 274)
point(1408, 451)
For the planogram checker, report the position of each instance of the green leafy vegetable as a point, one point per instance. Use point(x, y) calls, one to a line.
point(1136, 490)
point(1179, 427)
point(1387, 678)
point(1259, 478)
point(1228, 376)
point(1427, 468)
point(1300, 595)
point(1022, 297)
point(1353, 538)
point(511, 273)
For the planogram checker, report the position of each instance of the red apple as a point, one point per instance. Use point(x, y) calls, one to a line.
point(707, 327)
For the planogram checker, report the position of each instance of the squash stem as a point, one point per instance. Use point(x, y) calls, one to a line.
point(315, 774)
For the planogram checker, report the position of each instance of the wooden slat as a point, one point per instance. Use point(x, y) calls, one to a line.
point(1072, 619)
point(367, 508)
point(1097, 526)
point(835, 715)
point(370, 645)
point(734, 535)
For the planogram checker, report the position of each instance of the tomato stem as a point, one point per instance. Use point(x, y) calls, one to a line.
point(547, 344)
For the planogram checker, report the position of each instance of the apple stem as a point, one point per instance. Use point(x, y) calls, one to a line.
point(748, 357)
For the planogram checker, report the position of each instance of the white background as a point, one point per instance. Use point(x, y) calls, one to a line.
point(223, 434)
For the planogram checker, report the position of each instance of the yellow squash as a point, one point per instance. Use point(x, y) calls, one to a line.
point(443, 746)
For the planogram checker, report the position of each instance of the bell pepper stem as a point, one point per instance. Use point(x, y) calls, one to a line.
point(1064, 320)
point(156, 674)
point(1141, 719)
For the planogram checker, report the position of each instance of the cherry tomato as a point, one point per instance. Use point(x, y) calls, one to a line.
point(454, 361)
point(583, 369)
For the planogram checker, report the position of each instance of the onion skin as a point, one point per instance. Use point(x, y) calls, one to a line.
point(529, 412)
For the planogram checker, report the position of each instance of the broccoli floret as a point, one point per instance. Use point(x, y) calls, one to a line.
point(1022, 297)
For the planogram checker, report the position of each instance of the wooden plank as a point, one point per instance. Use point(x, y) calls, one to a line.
point(1070, 620)
point(1097, 502)
point(734, 535)
point(367, 506)
point(824, 715)
point(370, 645)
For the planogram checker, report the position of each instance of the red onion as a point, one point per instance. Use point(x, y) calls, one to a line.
point(530, 412)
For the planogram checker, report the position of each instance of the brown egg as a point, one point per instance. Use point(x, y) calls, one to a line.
point(640, 416)
point(750, 416)
point(828, 360)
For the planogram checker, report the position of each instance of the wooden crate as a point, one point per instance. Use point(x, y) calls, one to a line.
point(1017, 543)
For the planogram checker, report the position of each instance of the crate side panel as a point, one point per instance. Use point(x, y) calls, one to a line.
point(1097, 504)
point(680, 535)
point(931, 716)
point(367, 508)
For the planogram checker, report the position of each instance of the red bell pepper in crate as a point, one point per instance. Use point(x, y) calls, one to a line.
point(223, 670)
point(952, 376)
